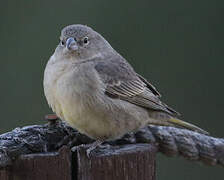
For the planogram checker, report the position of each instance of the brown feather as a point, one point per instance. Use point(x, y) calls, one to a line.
point(124, 83)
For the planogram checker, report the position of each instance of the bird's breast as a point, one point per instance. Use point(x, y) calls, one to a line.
point(75, 95)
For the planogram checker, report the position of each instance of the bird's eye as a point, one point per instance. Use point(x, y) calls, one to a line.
point(86, 40)
point(62, 43)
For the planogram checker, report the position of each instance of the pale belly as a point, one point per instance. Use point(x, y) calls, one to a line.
point(81, 102)
point(88, 122)
point(100, 122)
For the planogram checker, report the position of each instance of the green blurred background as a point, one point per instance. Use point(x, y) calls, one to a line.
point(177, 45)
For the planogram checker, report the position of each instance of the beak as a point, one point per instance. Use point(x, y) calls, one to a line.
point(71, 44)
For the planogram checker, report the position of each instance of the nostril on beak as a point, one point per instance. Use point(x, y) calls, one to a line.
point(71, 44)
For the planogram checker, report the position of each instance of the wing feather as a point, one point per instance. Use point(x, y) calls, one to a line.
point(123, 82)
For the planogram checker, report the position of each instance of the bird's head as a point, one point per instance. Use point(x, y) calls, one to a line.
point(80, 42)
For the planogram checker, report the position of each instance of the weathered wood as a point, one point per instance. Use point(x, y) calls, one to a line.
point(126, 162)
point(170, 141)
point(45, 166)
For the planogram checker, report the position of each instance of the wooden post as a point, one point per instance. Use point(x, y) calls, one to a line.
point(126, 162)
point(45, 166)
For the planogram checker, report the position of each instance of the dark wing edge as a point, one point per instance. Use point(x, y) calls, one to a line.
point(156, 93)
point(150, 86)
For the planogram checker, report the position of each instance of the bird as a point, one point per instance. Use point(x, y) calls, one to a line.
point(88, 84)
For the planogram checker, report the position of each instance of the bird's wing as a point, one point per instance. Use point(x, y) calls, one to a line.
point(123, 82)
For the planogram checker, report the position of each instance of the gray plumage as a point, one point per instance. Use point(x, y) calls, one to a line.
point(92, 87)
point(124, 83)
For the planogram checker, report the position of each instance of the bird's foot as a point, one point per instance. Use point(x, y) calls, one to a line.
point(69, 140)
point(90, 147)
point(93, 146)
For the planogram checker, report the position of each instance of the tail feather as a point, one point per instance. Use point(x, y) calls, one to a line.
point(183, 124)
point(167, 120)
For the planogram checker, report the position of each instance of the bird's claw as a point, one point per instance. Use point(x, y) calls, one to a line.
point(89, 147)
